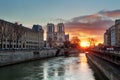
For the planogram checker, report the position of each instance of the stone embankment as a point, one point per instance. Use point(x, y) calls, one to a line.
point(71, 52)
point(15, 56)
point(111, 56)
point(110, 70)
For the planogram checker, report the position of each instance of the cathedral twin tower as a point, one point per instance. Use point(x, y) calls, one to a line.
point(55, 38)
point(51, 27)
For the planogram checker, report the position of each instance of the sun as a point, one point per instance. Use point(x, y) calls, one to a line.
point(84, 44)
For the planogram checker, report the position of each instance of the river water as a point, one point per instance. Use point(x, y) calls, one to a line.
point(58, 68)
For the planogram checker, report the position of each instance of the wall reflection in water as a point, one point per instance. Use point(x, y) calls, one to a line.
point(53, 70)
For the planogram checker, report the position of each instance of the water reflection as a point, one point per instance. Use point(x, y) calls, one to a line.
point(60, 68)
point(79, 69)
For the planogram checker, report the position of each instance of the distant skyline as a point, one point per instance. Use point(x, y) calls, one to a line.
point(82, 18)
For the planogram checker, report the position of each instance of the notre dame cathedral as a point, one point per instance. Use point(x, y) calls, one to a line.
point(56, 37)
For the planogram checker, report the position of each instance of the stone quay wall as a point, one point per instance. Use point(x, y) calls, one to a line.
point(107, 68)
point(13, 57)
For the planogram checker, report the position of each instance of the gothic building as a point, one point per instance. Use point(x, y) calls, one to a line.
point(55, 38)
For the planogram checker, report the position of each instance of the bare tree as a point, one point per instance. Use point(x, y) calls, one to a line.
point(92, 41)
point(19, 31)
point(1, 33)
point(3, 30)
point(10, 32)
point(75, 41)
point(11, 35)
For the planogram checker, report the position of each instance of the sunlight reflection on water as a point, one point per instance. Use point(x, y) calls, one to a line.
point(60, 68)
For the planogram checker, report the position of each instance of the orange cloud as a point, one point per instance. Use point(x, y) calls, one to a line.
point(91, 25)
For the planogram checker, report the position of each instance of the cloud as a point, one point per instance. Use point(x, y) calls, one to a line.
point(113, 14)
point(94, 24)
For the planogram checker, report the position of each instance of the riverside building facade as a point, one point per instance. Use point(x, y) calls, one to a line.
point(112, 35)
point(16, 36)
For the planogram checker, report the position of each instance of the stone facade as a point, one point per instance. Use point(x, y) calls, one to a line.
point(12, 57)
point(112, 35)
point(56, 39)
point(16, 36)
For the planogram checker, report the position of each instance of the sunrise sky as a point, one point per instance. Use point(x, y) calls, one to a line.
point(82, 18)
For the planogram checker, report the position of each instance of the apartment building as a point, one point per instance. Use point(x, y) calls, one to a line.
point(112, 35)
point(16, 36)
